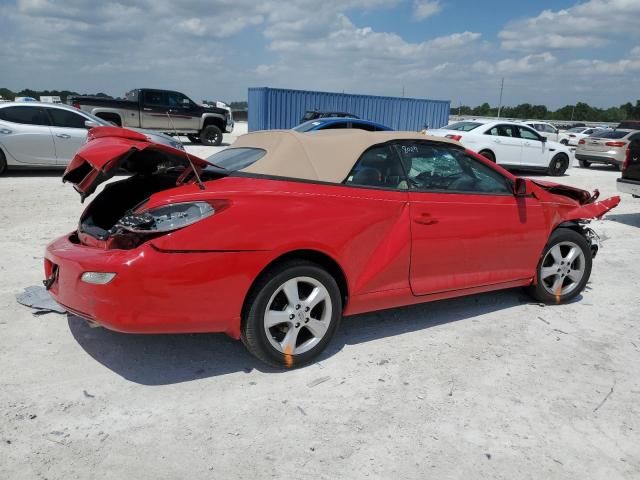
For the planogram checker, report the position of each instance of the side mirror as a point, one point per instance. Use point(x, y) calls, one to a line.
point(90, 124)
point(543, 139)
point(520, 187)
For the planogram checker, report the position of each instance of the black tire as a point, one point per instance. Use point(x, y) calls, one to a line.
point(564, 141)
point(584, 164)
point(488, 154)
point(543, 289)
point(3, 163)
point(193, 138)
point(211, 136)
point(619, 166)
point(267, 292)
point(559, 164)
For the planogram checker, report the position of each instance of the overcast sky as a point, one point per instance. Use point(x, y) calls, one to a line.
point(550, 52)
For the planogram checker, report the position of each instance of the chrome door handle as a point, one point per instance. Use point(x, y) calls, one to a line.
point(6, 131)
point(63, 135)
point(497, 140)
point(147, 109)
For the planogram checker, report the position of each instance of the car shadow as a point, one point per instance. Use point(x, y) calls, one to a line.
point(169, 359)
point(631, 219)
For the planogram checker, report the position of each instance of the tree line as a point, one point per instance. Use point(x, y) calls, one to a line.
point(7, 94)
point(579, 112)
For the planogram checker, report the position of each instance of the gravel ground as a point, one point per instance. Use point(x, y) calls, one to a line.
point(487, 386)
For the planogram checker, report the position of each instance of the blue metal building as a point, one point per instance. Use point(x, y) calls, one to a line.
point(271, 108)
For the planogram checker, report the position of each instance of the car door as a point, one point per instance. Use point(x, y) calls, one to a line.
point(505, 144)
point(551, 132)
point(468, 229)
point(184, 113)
point(26, 136)
point(69, 133)
point(154, 110)
point(534, 149)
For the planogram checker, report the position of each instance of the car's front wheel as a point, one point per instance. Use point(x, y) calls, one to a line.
point(211, 135)
point(564, 141)
point(585, 164)
point(564, 269)
point(291, 314)
point(559, 164)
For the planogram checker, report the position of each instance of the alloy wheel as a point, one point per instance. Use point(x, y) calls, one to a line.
point(298, 315)
point(563, 268)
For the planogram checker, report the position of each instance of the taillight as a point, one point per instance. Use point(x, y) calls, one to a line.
point(627, 158)
point(615, 144)
point(581, 142)
point(454, 137)
point(76, 105)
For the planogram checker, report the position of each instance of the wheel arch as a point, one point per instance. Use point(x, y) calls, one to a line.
point(315, 256)
point(490, 151)
point(213, 120)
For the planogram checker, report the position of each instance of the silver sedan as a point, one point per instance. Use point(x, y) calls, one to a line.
point(48, 135)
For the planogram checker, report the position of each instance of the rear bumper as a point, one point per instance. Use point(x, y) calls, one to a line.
point(153, 291)
point(598, 159)
point(625, 185)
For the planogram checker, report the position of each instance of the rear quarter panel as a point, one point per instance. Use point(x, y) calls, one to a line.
point(366, 231)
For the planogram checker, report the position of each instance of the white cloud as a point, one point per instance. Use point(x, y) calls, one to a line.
point(586, 25)
point(423, 9)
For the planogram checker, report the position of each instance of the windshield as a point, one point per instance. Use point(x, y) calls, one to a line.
point(234, 159)
point(306, 126)
point(463, 126)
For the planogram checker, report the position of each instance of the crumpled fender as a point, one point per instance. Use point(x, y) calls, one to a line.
point(592, 210)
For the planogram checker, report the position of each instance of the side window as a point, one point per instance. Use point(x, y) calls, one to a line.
point(503, 131)
point(550, 129)
point(155, 98)
point(363, 126)
point(437, 168)
point(176, 99)
point(528, 134)
point(334, 125)
point(378, 167)
point(25, 115)
point(65, 118)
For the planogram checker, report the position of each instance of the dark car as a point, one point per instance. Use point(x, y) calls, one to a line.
point(313, 114)
point(335, 123)
point(629, 181)
point(630, 125)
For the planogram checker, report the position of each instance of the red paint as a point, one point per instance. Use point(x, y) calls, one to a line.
point(394, 247)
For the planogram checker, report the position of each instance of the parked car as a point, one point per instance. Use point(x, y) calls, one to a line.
point(161, 110)
point(607, 147)
point(545, 129)
point(48, 135)
point(574, 135)
point(274, 239)
point(335, 123)
point(512, 145)
point(315, 114)
point(629, 125)
point(629, 181)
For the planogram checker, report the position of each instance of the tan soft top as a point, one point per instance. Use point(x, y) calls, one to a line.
point(326, 156)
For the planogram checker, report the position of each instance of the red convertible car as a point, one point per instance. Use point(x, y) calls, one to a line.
point(276, 238)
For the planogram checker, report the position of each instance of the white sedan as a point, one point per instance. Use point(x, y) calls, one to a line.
point(512, 145)
point(545, 129)
point(574, 135)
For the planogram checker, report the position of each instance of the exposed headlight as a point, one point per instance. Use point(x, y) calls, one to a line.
point(166, 218)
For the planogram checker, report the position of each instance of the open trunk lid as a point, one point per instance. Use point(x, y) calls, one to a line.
point(110, 148)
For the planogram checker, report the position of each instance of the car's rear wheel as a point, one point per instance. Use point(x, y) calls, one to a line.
point(564, 141)
point(564, 269)
point(559, 164)
point(3, 163)
point(488, 154)
point(211, 136)
point(193, 138)
point(291, 314)
point(585, 164)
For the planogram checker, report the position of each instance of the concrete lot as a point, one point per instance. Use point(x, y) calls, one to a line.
point(488, 386)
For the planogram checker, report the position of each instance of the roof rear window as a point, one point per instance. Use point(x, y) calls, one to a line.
point(463, 126)
point(233, 159)
point(612, 134)
point(306, 126)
